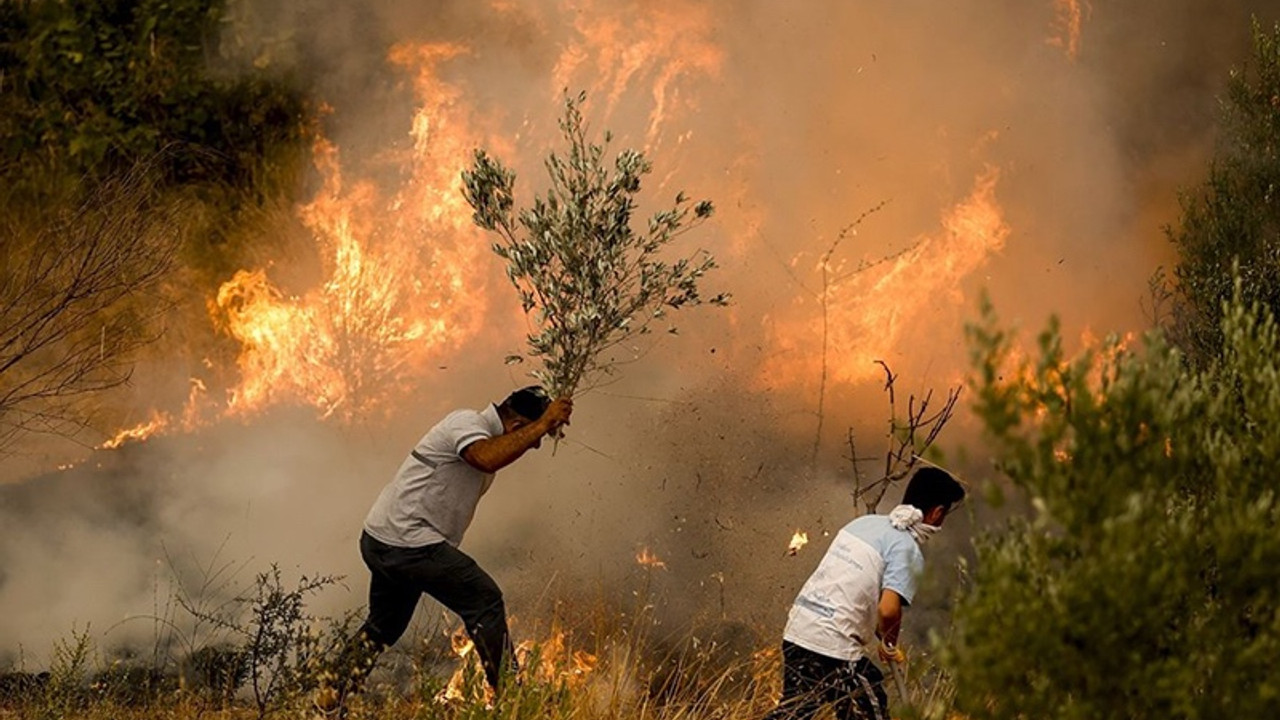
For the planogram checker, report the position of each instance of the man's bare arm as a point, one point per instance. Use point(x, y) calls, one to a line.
point(493, 454)
point(890, 617)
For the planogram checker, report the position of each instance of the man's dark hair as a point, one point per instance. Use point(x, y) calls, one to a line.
point(932, 487)
point(527, 402)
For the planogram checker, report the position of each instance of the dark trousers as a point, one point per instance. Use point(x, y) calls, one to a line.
point(399, 577)
point(811, 680)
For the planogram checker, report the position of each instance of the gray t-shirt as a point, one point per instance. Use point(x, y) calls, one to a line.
point(433, 496)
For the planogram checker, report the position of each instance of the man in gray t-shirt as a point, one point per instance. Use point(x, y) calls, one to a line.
point(411, 535)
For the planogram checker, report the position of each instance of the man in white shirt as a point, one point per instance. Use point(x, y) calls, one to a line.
point(853, 602)
point(411, 535)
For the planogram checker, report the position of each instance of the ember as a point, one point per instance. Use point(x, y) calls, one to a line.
point(649, 560)
point(798, 540)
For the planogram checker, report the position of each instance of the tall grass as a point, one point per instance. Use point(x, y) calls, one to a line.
point(587, 663)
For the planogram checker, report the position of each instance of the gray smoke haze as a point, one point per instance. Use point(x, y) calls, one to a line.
point(795, 118)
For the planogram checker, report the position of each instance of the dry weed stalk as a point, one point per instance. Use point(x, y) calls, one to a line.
point(908, 438)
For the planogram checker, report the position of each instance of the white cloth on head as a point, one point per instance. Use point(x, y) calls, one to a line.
point(911, 519)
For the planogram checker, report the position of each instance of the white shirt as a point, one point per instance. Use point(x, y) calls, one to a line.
point(837, 610)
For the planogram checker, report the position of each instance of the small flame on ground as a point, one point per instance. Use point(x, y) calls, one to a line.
point(551, 662)
point(469, 666)
point(140, 431)
point(646, 558)
point(159, 422)
point(798, 540)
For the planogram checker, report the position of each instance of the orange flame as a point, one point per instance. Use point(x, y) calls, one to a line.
point(550, 662)
point(649, 560)
point(647, 41)
point(869, 313)
point(390, 301)
point(141, 431)
point(404, 273)
point(1069, 17)
point(160, 422)
point(456, 690)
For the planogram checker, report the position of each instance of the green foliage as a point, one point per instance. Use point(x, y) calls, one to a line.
point(68, 674)
point(1147, 583)
point(574, 257)
point(88, 87)
point(1235, 214)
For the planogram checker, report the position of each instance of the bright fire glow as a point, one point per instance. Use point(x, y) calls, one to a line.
point(160, 422)
point(404, 272)
point(657, 43)
point(870, 310)
point(798, 540)
point(403, 279)
point(157, 423)
point(469, 664)
point(550, 662)
point(649, 560)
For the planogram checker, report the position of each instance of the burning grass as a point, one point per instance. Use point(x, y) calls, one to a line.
point(586, 663)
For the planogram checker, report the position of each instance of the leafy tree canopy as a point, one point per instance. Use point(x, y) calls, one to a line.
point(1235, 214)
point(88, 87)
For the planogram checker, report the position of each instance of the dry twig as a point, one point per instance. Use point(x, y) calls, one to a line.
point(907, 439)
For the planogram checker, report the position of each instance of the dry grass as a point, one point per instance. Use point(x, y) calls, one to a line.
point(589, 661)
point(625, 682)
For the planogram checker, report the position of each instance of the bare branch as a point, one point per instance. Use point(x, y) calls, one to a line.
point(78, 296)
point(904, 441)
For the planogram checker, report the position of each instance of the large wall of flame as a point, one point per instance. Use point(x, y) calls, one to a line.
point(1033, 149)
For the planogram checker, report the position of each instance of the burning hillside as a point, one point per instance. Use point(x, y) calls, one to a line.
point(998, 153)
point(407, 283)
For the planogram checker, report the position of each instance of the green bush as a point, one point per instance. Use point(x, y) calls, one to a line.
point(1234, 216)
point(90, 87)
point(1147, 582)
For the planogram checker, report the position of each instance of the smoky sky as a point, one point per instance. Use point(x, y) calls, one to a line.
point(795, 118)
